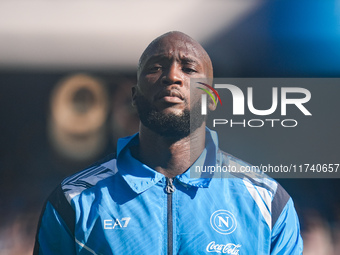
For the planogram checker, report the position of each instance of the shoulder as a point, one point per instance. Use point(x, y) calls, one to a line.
point(59, 201)
point(270, 197)
point(89, 177)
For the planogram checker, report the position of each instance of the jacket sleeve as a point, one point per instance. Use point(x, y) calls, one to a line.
point(286, 238)
point(55, 234)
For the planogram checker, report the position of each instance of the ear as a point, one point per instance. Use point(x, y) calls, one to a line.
point(211, 104)
point(133, 93)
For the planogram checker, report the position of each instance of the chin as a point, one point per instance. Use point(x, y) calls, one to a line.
point(171, 111)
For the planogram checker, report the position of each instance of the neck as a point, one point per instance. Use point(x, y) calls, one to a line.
point(168, 155)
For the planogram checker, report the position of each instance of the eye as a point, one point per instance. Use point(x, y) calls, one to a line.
point(189, 70)
point(154, 68)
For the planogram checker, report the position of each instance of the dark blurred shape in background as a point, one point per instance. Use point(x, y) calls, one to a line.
point(78, 116)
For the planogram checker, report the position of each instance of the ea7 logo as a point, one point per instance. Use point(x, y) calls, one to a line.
point(112, 224)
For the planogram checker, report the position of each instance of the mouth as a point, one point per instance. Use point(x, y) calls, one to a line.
point(170, 96)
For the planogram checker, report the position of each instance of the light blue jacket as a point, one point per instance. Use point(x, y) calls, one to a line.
point(121, 206)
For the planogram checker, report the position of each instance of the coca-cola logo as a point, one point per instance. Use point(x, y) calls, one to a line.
point(228, 248)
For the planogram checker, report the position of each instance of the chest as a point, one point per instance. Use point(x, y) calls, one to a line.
point(212, 220)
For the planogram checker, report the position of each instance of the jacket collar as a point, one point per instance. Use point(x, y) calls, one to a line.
point(140, 177)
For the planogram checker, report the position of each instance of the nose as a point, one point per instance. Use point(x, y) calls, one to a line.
point(172, 75)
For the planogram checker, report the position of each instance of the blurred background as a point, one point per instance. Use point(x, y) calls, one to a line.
point(66, 72)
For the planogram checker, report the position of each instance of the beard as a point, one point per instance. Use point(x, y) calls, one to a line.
point(169, 125)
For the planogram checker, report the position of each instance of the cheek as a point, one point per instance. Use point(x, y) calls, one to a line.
point(195, 95)
point(145, 85)
point(148, 85)
point(152, 79)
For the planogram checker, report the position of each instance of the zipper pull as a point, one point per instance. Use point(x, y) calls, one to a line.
point(170, 188)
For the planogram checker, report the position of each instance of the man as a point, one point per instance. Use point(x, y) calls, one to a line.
point(143, 201)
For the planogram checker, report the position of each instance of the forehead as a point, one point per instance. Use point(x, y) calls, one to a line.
point(174, 46)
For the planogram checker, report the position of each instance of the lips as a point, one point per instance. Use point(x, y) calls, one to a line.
point(168, 94)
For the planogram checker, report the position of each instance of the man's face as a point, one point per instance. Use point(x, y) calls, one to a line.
point(162, 95)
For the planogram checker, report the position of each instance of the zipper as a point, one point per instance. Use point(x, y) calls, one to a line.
point(169, 189)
